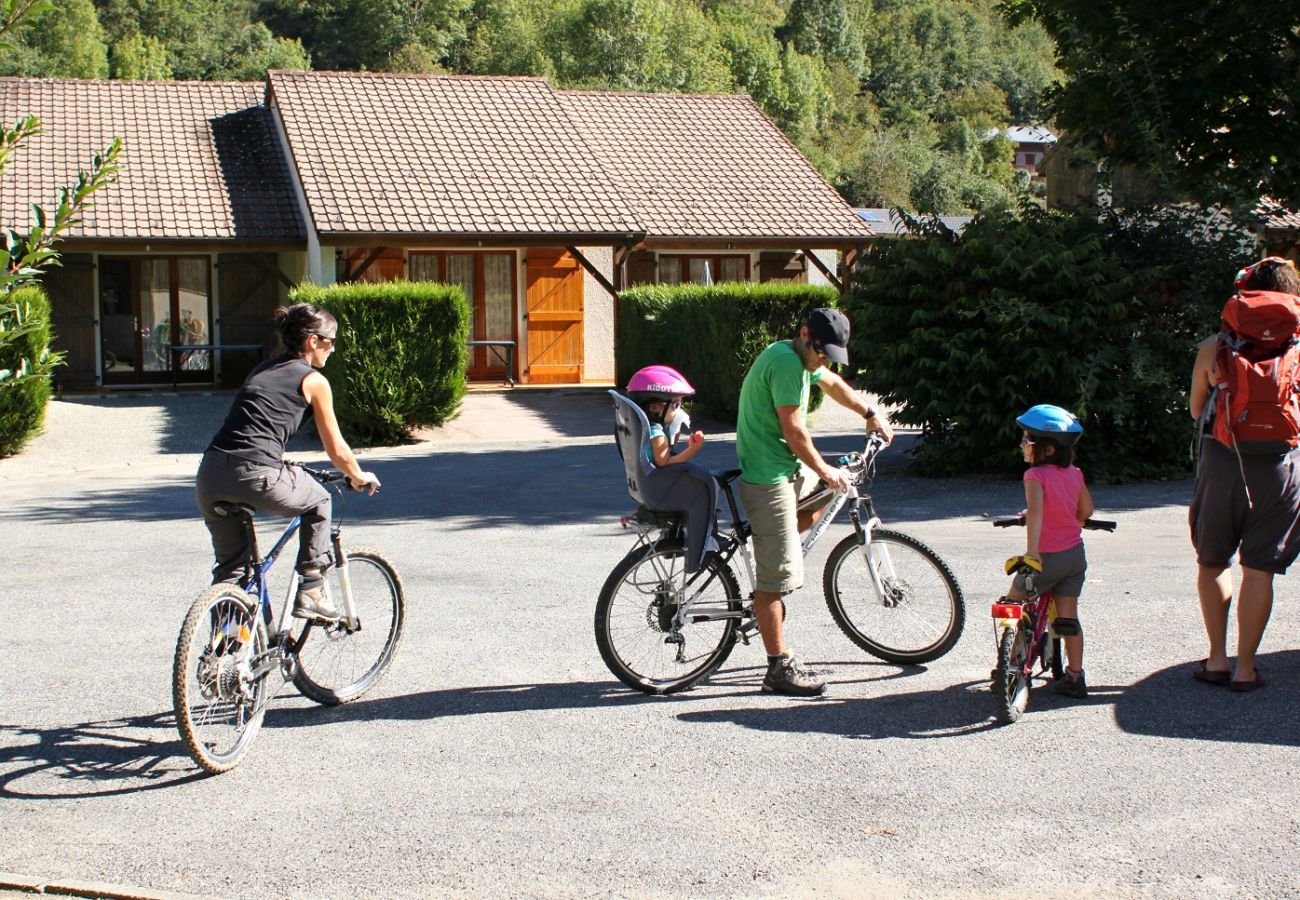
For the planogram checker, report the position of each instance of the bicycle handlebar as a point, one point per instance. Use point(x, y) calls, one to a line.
point(1090, 524)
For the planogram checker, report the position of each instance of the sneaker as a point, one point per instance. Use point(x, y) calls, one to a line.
point(788, 676)
point(315, 603)
point(1071, 685)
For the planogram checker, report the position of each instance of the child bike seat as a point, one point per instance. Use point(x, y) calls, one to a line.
point(684, 490)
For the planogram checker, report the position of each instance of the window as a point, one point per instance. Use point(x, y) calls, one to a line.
point(683, 269)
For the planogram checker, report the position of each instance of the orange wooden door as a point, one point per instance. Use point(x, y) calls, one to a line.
point(554, 319)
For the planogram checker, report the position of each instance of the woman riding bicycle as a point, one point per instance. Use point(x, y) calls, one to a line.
point(244, 462)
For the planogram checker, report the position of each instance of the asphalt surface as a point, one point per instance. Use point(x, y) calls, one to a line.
point(500, 758)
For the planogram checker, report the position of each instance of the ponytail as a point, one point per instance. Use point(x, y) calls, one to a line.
point(299, 321)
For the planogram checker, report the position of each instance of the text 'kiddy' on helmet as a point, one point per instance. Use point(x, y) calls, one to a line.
point(1048, 421)
point(658, 381)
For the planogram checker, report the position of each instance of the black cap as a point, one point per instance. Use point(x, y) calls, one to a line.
point(828, 329)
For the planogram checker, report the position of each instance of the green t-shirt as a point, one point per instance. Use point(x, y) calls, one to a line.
point(777, 378)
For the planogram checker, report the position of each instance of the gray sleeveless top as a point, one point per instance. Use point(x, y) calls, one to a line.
point(268, 410)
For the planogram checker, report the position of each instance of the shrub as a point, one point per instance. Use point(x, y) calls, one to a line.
point(26, 365)
point(400, 362)
point(711, 334)
point(1099, 314)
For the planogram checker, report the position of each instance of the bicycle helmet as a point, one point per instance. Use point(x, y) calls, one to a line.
point(1048, 421)
point(658, 383)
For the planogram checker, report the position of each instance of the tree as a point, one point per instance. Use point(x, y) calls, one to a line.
point(140, 58)
point(1205, 99)
point(66, 42)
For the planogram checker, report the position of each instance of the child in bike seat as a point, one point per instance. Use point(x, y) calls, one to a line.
point(659, 391)
point(1057, 504)
point(688, 489)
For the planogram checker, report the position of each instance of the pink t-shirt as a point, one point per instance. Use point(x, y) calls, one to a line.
point(1061, 488)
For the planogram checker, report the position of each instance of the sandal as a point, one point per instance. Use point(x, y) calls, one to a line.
point(1242, 687)
point(1208, 676)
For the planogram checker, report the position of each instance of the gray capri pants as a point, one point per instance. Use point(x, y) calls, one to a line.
point(1063, 572)
point(281, 491)
point(1267, 533)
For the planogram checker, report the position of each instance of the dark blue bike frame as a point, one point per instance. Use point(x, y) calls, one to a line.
point(257, 581)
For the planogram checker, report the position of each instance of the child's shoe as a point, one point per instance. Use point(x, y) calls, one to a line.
point(1071, 684)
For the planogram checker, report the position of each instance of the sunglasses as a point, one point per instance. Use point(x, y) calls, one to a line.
point(330, 341)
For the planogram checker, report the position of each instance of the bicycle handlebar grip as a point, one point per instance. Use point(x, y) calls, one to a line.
point(1008, 523)
point(1100, 525)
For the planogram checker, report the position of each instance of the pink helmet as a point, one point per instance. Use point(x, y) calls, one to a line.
point(658, 381)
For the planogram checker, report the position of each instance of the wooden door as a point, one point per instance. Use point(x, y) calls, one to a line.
point(71, 288)
point(554, 319)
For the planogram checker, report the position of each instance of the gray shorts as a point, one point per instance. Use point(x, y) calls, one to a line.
point(773, 520)
point(1063, 573)
point(1267, 534)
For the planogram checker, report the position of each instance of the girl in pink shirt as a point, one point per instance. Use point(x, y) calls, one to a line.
point(1056, 505)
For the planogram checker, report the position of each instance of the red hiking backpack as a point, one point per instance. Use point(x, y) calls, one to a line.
point(1257, 402)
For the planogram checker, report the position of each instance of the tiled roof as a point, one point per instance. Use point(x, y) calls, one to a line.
point(709, 166)
point(436, 155)
point(200, 160)
point(1277, 216)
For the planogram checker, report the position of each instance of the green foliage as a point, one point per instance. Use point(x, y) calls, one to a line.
point(400, 362)
point(710, 334)
point(26, 365)
point(139, 57)
point(1205, 99)
point(1100, 316)
point(62, 42)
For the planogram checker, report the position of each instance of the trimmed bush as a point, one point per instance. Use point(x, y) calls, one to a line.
point(710, 334)
point(400, 362)
point(1098, 314)
point(26, 364)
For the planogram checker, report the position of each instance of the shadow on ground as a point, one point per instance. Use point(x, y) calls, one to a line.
point(566, 484)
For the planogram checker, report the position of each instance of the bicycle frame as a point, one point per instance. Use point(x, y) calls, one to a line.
point(1039, 607)
point(862, 516)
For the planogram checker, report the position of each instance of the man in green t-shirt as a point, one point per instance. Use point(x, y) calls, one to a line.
point(778, 463)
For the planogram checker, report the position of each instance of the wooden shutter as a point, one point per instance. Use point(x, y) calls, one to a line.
point(71, 289)
point(782, 266)
point(554, 318)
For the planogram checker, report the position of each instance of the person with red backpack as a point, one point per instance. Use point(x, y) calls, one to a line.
point(1245, 397)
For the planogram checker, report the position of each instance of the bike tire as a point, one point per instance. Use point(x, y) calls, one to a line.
point(634, 611)
point(336, 666)
point(1011, 685)
point(926, 611)
point(217, 714)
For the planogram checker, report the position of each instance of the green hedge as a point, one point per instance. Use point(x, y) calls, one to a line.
point(400, 362)
point(1099, 314)
point(26, 364)
point(710, 334)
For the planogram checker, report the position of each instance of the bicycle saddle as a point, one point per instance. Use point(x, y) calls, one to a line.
point(232, 509)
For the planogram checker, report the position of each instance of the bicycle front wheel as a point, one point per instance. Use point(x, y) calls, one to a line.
point(918, 614)
point(635, 618)
point(219, 705)
point(1010, 683)
point(337, 663)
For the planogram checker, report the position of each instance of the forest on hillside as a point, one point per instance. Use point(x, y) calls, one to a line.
point(892, 100)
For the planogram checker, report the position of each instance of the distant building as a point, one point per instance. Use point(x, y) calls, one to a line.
point(1031, 142)
point(889, 224)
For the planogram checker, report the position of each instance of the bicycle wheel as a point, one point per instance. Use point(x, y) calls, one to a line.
point(635, 613)
point(218, 704)
point(1010, 683)
point(337, 665)
point(921, 615)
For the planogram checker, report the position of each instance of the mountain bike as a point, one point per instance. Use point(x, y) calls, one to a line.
point(661, 630)
point(1025, 634)
point(231, 642)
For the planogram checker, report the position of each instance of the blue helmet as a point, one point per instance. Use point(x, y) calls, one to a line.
point(1046, 420)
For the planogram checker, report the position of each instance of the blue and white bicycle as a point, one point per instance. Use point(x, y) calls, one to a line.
point(231, 641)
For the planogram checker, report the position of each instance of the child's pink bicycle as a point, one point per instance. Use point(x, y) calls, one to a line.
point(1026, 633)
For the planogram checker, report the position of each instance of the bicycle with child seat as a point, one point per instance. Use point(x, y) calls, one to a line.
point(231, 642)
point(1025, 633)
point(661, 630)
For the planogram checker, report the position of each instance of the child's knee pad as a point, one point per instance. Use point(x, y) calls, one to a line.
point(1067, 627)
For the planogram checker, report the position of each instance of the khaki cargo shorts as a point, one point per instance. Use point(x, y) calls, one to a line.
point(772, 513)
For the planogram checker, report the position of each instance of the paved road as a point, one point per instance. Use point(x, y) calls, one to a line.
point(499, 757)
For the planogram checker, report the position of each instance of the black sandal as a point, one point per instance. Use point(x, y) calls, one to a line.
point(1208, 676)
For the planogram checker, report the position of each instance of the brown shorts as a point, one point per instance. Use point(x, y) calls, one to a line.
point(1267, 532)
point(773, 520)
